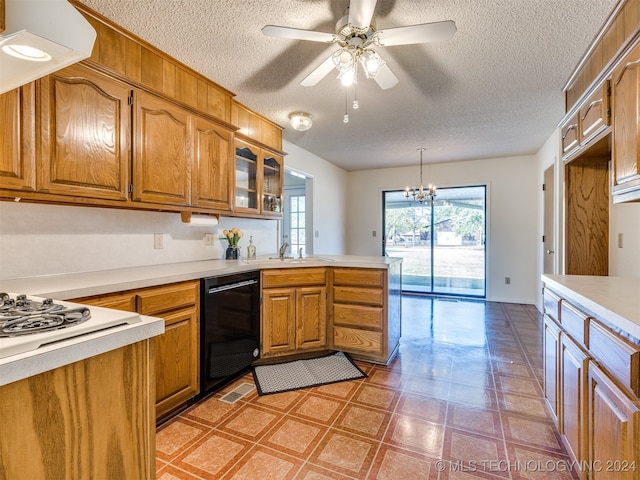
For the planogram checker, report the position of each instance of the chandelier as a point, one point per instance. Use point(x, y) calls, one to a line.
point(421, 194)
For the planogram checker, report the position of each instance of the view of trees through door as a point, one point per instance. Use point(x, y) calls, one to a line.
point(442, 244)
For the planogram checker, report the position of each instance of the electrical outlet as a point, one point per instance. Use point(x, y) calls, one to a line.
point(507, 280)
point(209, 238)
point(374, 233)
point(620, 240)
point(158, 241)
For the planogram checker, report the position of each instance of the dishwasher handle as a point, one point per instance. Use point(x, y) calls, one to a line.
point(231, 286)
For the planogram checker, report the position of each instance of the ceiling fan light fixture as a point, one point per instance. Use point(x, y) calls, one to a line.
point(300, 121)
point(372, 63)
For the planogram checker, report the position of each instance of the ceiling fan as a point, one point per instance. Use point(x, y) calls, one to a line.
point(356, 36)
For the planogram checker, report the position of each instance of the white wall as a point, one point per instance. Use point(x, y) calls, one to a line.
point(512, 213)
point(329, 198)
point(624, 218)
point(39, 239)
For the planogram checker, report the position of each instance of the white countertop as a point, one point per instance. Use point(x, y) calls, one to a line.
point(85, 284)
point(66, 352)
point(613, 299)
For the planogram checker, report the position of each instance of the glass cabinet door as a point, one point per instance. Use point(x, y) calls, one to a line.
point(271, 184)
point(246, 178)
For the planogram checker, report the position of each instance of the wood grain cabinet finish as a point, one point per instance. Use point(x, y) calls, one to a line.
point(294, 311)
point(594, 114)
point(625, 98)
point(594, 382)
point(359, 313)
point(569, 135)
point(177, 351)
point(572, 424)
point(85, 135)
point(89, 419)
point(614, 429)
point(18, 139)
point(212, 175)
point(163, 151)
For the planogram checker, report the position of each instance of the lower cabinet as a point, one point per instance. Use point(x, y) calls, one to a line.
point(590, 377)
point(294, 316)
point(614, 429)
point(177, 352)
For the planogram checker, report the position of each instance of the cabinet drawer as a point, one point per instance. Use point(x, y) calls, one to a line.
point(355, 339)
point(170, 297)
point(551, 304)
point(366, 296)
point(369, 317)
point(574, 321)
point(119, 301)
point(358, 276)
point(593, 114)
point(616, 354)
point(294, 277)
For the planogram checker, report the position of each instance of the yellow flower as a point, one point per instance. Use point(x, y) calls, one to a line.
point(232, 236)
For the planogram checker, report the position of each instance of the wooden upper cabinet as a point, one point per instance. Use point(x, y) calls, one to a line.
point(272, 183)
point(246, 188)
point(212, 172)
point(17, 139)
point(625, 97)
point(163, 151)
point(594, 114)
point(85, 135)
point(569, 135)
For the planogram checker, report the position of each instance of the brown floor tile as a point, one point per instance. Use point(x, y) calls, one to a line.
point(263, 463)
point(474, 419)
point(464, 388)
point(177, 435)
point(318, 408)
point(426, 408)
point(250, 422)
point(345, 453)
point(538, 433)
point(362, 420)
point(416, 435)
point(393, 463)
point(213, 455)
point(478, 452)
point(378, 397)
point(283, 402)
point(294, 436)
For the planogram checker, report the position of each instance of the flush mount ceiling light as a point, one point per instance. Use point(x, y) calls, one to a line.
point(300, 121)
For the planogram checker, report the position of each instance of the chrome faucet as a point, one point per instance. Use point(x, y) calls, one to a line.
point(283, 249)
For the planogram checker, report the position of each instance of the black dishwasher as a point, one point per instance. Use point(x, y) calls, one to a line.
point(229, 327)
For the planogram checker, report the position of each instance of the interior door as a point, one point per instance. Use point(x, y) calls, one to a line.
point(548, 236)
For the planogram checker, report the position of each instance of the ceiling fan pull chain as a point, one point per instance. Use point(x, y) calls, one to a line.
point(345, 119)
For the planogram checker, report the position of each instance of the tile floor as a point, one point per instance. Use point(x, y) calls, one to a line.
point(462, 400)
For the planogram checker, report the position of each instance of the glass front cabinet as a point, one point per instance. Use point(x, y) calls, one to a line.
point(259, 180)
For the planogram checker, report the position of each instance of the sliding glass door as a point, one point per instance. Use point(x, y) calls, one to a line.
point(442, 244)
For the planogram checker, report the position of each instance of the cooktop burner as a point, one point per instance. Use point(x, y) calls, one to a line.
point(28, 323)
point(22, 315)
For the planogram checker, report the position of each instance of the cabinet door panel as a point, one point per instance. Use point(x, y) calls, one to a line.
point(614, 426)
point(278, 321)
point(177, 356)
point(311, 315)
point(551, 356)
point(212, 167)
point(163, 152)
point(85, 135)
point(354, 340)
point(17, 139)
point(573, 365)
point(625, 89)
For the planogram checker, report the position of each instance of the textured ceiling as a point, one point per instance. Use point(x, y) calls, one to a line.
point(492, 91)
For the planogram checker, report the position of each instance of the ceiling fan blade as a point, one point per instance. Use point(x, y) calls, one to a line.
point(297, 34)
point(422, 33)
point(385, 78)
point(319, 73)
point(361, 12)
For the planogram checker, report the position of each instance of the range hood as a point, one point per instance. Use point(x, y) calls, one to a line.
point(40, 37)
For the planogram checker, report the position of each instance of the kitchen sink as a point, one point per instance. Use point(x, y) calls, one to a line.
point(295, 259)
